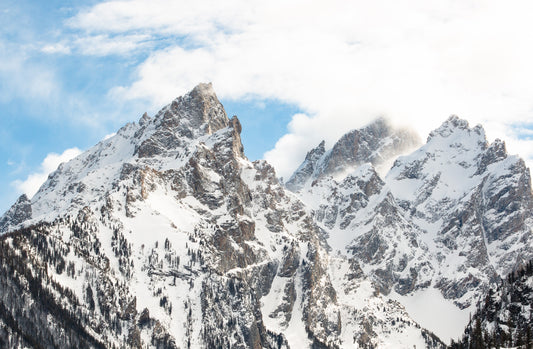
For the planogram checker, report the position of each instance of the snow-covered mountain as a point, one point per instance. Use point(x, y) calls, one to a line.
point(449, 220)
point(167, 236)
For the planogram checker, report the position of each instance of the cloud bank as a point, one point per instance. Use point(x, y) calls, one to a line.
point(342, 63)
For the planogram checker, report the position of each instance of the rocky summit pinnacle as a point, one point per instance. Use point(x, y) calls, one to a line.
point(166, 236)
point(202, 107)
point(307, 168)
point(197, 113)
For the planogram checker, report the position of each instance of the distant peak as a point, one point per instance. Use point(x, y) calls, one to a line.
point(457, 122)
point(453, 124)
point(144, 120)
point(315, 153)
point(376, 143)
point(307, 168)
point(18, 213)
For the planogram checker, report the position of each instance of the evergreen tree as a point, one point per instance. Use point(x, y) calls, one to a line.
point(477, 335)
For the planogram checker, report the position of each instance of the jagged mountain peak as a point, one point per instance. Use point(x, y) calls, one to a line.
point(452, 122)
point(380, 127)
point(468, 195)
point(18, 213)
point(190, 123)
point(315, 153)
point(145, 119)
point(195, 114)
point(199, 108)
point(375, 143)
point(458, 127)
point(442, 220)
point(307, 168)
point(204, 90)
point(22, 199)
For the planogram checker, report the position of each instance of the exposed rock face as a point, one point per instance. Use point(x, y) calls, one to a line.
point(196, 114)
point(374, 143)
point(363, 219)
point(166, 236)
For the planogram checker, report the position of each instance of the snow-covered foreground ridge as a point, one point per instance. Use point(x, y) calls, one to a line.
point(167, 236)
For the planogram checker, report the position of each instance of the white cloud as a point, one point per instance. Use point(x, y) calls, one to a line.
point(33, 182)
point(56, 48)
point(200, 19)
point(343, 63)
point(99, 45)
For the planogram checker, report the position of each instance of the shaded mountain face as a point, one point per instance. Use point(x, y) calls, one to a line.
point(167, 236)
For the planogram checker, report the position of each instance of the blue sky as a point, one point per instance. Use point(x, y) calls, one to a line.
point(295, 72)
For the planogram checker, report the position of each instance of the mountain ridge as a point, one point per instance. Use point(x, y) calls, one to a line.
point(375, 143)
point(454, 215)
point(167, 236)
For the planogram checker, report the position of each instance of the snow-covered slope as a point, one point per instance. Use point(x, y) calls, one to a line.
point(167, 236)
point(454, 215)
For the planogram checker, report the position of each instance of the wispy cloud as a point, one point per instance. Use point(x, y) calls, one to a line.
point(98, 45)
point(103, 45)
point(200, 19)
point(33, 182)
